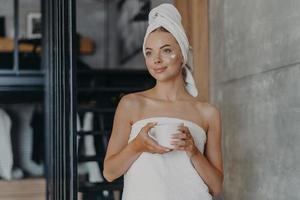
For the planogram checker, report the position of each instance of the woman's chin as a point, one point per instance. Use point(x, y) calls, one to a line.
point(162, 77)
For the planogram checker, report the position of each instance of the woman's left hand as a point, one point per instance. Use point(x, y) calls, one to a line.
point(184, 141)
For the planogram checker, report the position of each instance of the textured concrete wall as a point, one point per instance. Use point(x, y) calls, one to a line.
point(255, 81)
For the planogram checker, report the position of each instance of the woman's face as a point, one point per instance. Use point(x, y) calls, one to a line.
point(163, 56)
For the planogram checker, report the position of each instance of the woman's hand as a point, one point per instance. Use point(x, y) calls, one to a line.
point(144, 143)
point(184, 141)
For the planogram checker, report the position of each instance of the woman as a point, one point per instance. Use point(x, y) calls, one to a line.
point(193, 168)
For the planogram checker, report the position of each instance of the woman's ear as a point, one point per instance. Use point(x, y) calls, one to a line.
point(183, 72)
point(182, 59)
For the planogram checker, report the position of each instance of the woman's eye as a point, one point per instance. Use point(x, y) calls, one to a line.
point(148, 53)
point(167, 50)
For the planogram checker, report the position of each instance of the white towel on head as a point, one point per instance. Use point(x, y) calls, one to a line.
point(168, 17)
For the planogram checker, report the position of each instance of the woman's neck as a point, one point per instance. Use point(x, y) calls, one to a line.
point(172, 90)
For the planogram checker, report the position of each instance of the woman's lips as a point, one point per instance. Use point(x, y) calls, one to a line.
point(160, 69)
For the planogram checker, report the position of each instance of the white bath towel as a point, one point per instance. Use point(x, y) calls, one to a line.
point(170, 176)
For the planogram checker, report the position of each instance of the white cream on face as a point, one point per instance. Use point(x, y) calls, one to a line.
point(173, 56)
point(170, 58)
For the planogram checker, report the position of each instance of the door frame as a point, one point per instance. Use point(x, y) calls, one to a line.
point(195, 21)
point(59, 53)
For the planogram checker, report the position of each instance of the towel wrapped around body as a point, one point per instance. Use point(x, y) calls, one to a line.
point(169, 176)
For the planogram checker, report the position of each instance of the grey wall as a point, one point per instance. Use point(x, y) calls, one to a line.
point(255, 81)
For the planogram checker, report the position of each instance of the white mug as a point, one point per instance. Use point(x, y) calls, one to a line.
point(163, 133)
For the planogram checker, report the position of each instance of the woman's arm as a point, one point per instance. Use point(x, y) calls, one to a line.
point(120, 155)
point(209, 166)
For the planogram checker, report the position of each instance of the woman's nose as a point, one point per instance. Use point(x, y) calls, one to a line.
point(157, 59)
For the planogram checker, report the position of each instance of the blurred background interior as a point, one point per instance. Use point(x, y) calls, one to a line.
point(248, 65)
point(109, 64)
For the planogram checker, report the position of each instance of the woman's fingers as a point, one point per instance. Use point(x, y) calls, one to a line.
point(182, 143)
point(156, 148)
point(152, 145)
point(149, 144)
point(181, 136)
point(184, 134)
point(184, 129)
point(182, 140)
point(148, 126)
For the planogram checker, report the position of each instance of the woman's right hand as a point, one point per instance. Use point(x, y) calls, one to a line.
point(144, 143)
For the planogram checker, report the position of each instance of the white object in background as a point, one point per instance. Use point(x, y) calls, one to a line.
point(78, 128)
point(24, 114)
point(81, 168)
point(17, 173)
point(6, 155)
point(93, 168)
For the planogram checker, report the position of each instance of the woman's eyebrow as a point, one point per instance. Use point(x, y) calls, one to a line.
point(166, 45)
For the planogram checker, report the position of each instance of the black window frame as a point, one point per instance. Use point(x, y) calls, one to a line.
point(59, 53)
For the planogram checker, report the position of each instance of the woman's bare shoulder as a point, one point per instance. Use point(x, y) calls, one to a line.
point(208, 110)
point(133, 100)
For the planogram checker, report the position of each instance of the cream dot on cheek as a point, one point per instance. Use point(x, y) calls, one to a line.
point(172, 59)
point(173, 56)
